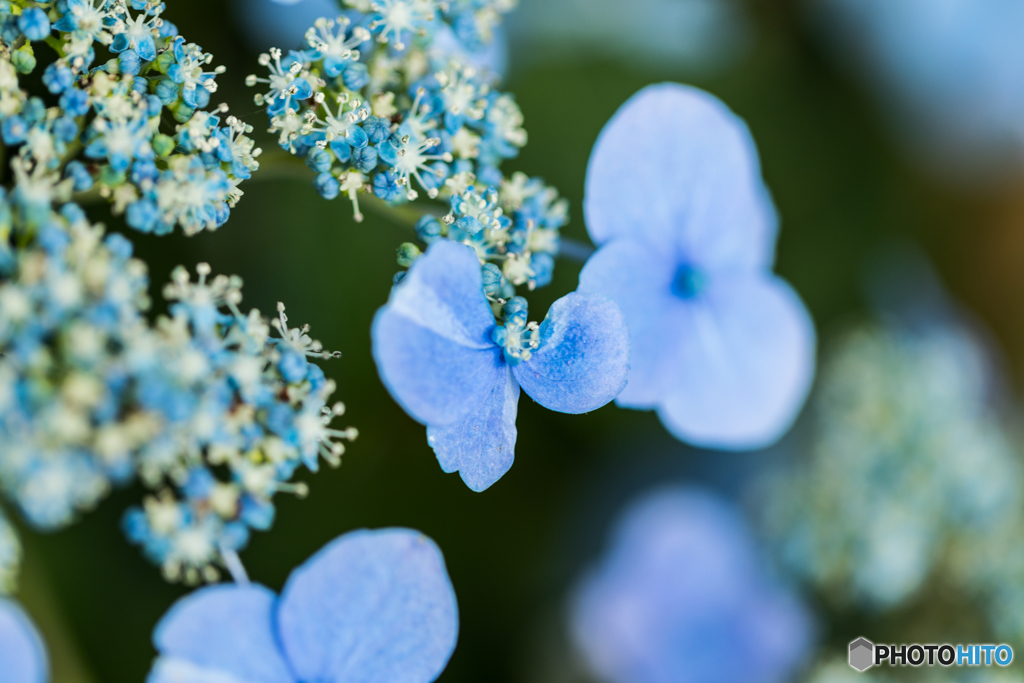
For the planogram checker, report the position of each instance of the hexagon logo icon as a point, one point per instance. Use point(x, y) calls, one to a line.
point(862, 654)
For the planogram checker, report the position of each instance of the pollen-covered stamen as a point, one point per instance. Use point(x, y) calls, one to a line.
point(328, 37)
point(337, 125)
point(298, 337)
point(413, 159)
point(281, 80)
point(191, 65)
point(315, 429)
point(350, 184)
point(517, 338)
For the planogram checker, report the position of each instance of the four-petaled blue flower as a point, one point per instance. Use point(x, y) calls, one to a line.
point(373, 606)
point(444, 360)
point(722, 348)
point(683, 596)
point(22, 654)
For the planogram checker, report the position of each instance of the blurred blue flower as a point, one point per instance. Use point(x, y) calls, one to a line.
point(22, 653)
point(370, 606)
point(722, 348)
point(268, 23)
point(951, 74)
point(442, 357)
point(684, 596)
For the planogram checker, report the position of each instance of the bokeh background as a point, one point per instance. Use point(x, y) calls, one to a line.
point(848, 183)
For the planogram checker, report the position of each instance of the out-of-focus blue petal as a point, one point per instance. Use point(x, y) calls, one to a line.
point(22, 654)
point(639, 280)
point(481, 447)
point(431, 341)
point(742, 367)
point(492, 57)
point(370, 607)
point(226, 630)
point(676, 168)
point(277, 23)
point(583, 357)
point(683, 596)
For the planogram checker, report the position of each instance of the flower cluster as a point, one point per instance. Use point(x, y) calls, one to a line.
point(514, 231)
point(911, 476)
point(376, 104)
point(206, 407)
point(131, 129)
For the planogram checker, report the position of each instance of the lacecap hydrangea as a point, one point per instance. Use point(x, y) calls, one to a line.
point(911, 481)
point(130, 123)
point(93, 396)
point(379, 103)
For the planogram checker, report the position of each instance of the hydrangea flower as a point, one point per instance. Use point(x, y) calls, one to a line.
point(22, 652)
point(370, 606)
point(213, 409)
point(451, 367)
point(722, 348)
point(112, 131)
point(910, 478)
point(683, 595)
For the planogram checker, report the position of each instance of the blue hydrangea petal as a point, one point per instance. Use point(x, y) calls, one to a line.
point(742, 370)
point(370, 607)
point(482, 446)
point(583, 357)
point(21, 649)
point(227, 630)
point(702, 605)
point(431, 341)
point(676, 168)
point(639, 280)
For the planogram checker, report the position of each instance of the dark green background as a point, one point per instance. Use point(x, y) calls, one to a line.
point(841, 188)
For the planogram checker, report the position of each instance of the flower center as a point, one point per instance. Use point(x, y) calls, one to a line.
point(689, 282)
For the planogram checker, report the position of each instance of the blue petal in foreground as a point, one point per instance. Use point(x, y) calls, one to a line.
point(639, 279)
point(22, 655)
point(481, 447)
point(226, 630)
point(431, 341)
point(742, 370)
point(675, 168)
point(583, 358)
point(371, 607)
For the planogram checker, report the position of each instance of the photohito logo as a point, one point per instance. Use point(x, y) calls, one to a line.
point(864, 654)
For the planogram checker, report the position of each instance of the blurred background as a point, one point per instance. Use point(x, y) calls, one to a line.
point(890, 134)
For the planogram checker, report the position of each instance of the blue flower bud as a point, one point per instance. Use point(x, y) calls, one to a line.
point(386, 186)
point(319, 160)
point(378, 129)
point(356, 76)
point(543, 267)
point(34, 23)
point(365, 159)
point(327, 185)
point(428, 229)
point(129, 62)
point(493, 280)
point(74, 102)
point(57, 78)
point(13, 130)
point(516, 308)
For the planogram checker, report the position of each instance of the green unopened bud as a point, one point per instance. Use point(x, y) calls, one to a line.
point(163, 61)
point(182, 112)
point(407, 253)
point(163, 145)
point(24, 59)
point(110, 177)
